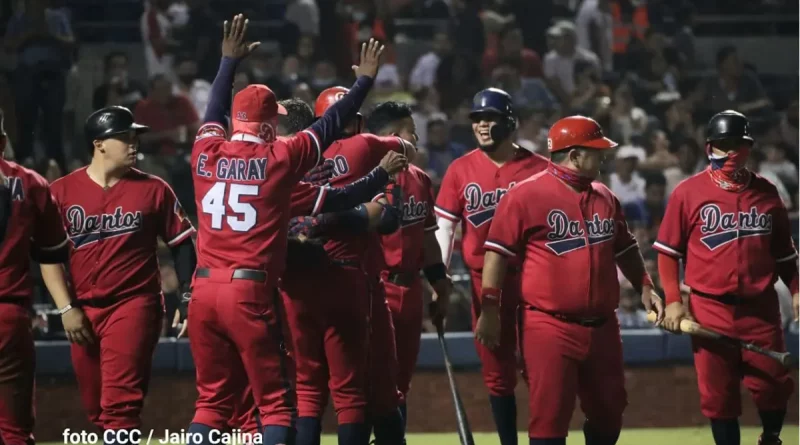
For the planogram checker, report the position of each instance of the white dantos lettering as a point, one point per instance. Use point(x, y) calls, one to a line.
point(233, 437)
point(245, 214)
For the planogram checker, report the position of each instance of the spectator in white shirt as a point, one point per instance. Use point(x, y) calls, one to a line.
point(777, 163)
point(428, 108)
point(626, 182)
point(156, 29)
point(305, 15)
point(755, 163)
point(559, 64)
point(594, 25)
point(423, 75)
point(197, 90)
point(690, 161)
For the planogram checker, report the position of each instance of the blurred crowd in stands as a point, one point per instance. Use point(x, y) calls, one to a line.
point(631, 65)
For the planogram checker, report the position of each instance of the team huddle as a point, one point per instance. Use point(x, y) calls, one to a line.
point(314, 233)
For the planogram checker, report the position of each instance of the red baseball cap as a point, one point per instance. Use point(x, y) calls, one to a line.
point(577, 131)
point(256, 103)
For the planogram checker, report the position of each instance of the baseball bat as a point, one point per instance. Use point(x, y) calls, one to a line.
point(464, 431)
point(693, 328)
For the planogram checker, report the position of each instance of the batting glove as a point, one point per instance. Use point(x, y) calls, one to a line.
point(320, 175)
point(309, 226)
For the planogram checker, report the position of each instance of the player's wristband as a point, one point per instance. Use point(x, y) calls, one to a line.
point(646, 280)
point(435, 272)
point(65, 309)
point(490, 297)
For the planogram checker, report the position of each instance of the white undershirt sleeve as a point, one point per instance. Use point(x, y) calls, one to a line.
point(445, 235)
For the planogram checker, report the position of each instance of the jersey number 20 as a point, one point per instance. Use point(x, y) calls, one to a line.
point(214, 204)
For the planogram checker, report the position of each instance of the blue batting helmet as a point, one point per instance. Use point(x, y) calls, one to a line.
point(492, 100)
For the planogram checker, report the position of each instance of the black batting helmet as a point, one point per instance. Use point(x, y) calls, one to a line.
point(496, 101)
point(110, 121)
point(728, 124)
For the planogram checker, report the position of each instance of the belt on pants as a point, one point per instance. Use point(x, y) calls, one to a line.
point(238, 274)
point(404, 279)
point(728, 299)
point(589, 322)
point(347, 263)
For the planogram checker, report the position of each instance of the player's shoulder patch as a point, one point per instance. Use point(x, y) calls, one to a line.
point(211, 129)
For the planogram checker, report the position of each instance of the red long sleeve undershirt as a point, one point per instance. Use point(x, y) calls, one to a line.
point(668, 271)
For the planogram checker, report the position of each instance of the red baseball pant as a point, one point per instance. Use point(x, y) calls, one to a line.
point(384, 398)
point(499, 366)
point(564, 360)
point(113, 373)
point(329, 319)
point(721, 368)
point(17, 364)
point(238, 336)
point(405, 304)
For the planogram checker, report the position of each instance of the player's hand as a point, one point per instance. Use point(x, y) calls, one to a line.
point(441, 300)
point(393, 163)
point(370, 59)
point(77, 327)
point(487, 329)
point(306, 227)
point(673, 314)
point(796, 306)
point(233, 44)
point(653, 303)
point(320, 175)
point(181, 317)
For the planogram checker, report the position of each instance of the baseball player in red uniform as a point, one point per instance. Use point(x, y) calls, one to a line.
point(246, 191)
point(410, 249)
point(570, 234)
point(114, 215)
point(732, 231)
point(30, 226)
point(333, 343)
point(470, 191)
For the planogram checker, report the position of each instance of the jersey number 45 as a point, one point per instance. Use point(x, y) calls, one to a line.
point(244, 214)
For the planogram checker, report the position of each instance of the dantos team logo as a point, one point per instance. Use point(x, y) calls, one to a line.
point(414, 212)
point(481, 205)
point(721, 228)
point(84, 229)
point(567, 235)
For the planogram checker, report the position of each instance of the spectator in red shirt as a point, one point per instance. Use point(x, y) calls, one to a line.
point(172, 118)
point(509, 50)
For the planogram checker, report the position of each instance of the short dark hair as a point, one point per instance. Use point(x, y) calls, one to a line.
point(107, 59)
point(723, 54)
point(385, 114)
point(559, 156)
point(299, 116)
point(655, 178)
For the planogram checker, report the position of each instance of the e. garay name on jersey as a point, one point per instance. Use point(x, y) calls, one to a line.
point(234, 169)
point(481, 205)
point(721, 228)
point(567, 235)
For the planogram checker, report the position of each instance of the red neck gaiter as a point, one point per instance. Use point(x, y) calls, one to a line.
point(729, 172)
point(571, 177)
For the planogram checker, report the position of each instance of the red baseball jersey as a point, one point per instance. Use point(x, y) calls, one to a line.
point(353, 158)
point(243, 188)
point(114, 232)
point(402, 250)
point(35, 221)
point(471, 189)
point(568, 243)
point(730, 242)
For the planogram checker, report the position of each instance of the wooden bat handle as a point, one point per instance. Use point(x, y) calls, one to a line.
point(688, 327)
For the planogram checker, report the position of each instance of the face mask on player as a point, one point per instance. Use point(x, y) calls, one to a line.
point(729, 171)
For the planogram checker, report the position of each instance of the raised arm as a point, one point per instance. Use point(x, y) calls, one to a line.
point(328, 127)
point(234, 49)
